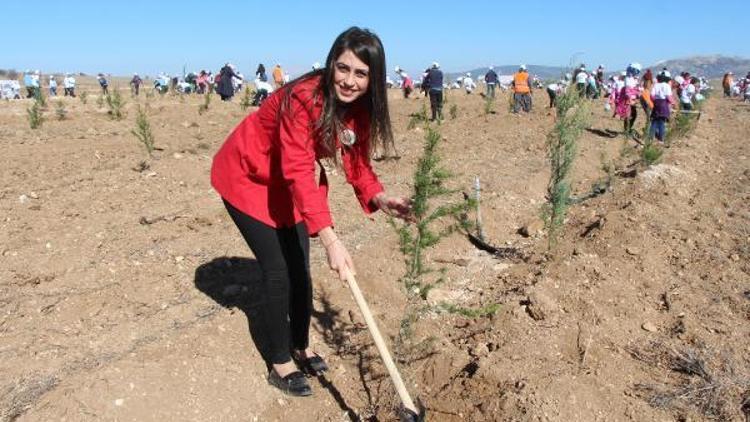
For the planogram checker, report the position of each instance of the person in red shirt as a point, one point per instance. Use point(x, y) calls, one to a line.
point(265, 173)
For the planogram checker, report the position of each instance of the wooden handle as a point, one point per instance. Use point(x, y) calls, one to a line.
point(380, 344)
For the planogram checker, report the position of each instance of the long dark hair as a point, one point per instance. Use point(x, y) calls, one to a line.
point(368, 48)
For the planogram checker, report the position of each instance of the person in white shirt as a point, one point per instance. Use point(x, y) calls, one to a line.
point(553, 90)
point(262, 90)
point(52, 86)
point(581, 79)
point(69, 84)
point(468, 83)
point(687, 94)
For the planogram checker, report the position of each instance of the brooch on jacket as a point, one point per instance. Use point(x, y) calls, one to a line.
point(348, 137)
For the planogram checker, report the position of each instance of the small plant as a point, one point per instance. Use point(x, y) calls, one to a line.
point(651, 153)
point(453, 111)
point(247, 98)
point(483, 311)
point(60, 110)
point(100, 101)
point(206, 103)
point(39, 98)
point(414, 239)
point(680, 126)
point(571, 114)
point(84, 97)
point(115, 102)
point(142, 130)
point(489, 106)
point(416, 119)
point(36, 115)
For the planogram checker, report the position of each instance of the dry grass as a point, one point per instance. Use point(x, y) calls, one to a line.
point(18, 397)
point(698, 379)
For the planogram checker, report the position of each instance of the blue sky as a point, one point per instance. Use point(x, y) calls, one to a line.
point(152, 36)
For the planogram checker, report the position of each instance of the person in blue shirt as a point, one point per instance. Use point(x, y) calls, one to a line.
point(490, 79)
point(103, 83)
point(434, 80)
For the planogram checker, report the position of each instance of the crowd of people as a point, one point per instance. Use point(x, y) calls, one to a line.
point(736, 88)
point(625, 93)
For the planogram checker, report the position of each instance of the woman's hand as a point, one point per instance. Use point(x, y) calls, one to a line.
point(393, 206)
point(338, 257)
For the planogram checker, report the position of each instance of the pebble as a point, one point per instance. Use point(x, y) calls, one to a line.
point(23, 199)
point(33, 195)
point(179, 258)
point(177, 155)
point(650, 327)
point(119, 402)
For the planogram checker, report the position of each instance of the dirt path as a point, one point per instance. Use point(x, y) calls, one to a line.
point(107, 316)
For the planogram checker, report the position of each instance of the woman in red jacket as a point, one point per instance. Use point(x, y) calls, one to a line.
point(266, 174)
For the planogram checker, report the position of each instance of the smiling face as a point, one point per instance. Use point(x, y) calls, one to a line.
point(351, 77)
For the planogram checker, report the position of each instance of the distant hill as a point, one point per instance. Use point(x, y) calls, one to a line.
point(543, 72)
point(714, 66)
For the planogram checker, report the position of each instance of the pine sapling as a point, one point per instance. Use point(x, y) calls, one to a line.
point(453, 111)
point(571, 119)
point(418, 118)
point(115, 102)
point(142, 130)
point(40, 99)
point(651, 153)
point(60, 111)
point(84, 97)
point(489, 106)
point(206, 103)
point(432, 222)
point(247, 98)
point(35, 115)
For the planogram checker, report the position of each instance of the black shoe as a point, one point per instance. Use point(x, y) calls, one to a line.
point(294, 384)
point(313, 366)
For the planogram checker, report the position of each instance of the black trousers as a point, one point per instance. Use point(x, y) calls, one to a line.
point(552, 95)
point(436, 103)
point(286, 303)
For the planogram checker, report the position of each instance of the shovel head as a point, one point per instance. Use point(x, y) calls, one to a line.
point(408, 415)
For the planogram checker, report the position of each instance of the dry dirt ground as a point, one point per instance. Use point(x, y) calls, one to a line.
point(127, 295)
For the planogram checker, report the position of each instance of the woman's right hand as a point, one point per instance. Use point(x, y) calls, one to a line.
point(339, 259)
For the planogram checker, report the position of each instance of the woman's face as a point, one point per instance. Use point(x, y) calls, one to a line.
point(351, 77)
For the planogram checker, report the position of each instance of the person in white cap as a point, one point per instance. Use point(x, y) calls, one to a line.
point(490, 79)
point(628, 98)
point(52, 86)
point(581, 81)
point(407, 84)
point(433, 80)
point(661, 96)
point(468, 83)
point(521, 90)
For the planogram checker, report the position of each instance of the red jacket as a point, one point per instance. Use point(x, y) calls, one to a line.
point(266, 167)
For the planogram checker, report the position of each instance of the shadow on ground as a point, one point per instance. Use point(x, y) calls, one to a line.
point(234, 282)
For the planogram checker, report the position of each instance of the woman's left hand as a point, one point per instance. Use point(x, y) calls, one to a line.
point(395, 207)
